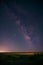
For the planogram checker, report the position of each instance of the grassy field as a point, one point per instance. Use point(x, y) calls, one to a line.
point(21, 58)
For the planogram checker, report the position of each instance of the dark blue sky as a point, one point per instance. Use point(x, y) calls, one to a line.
point(21, 25)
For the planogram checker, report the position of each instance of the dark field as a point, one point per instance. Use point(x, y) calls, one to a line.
point(21, 59)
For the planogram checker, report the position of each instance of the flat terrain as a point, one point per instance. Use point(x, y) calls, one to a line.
point(21, 58)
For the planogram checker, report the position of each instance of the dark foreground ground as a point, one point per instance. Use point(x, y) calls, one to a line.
point(17, 59)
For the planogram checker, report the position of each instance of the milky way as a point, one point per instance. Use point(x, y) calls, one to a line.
point(21, 27)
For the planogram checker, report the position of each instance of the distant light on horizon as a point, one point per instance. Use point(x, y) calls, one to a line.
point(4, 49)
point(1, 51)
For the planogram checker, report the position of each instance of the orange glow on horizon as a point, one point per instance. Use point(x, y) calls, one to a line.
point(4, 49)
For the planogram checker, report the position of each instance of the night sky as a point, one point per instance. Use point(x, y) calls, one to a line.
point(21, 25)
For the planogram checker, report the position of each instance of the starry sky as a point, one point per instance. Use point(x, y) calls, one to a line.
point(21, 25)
